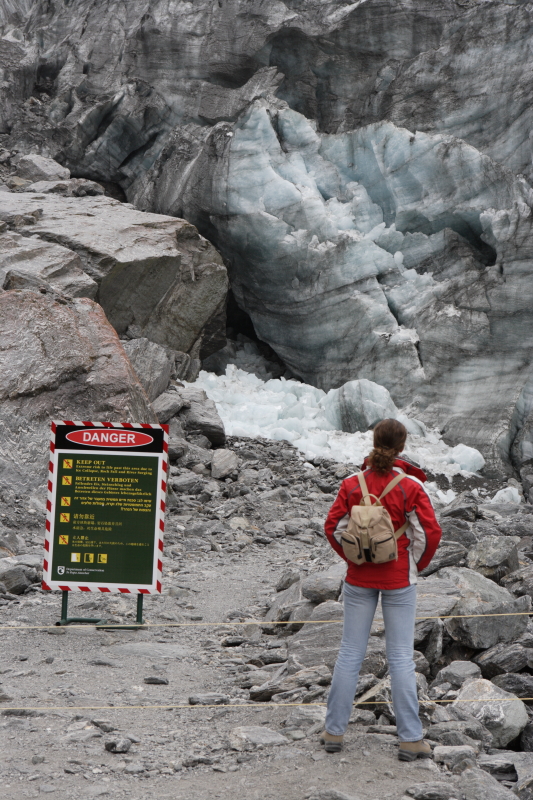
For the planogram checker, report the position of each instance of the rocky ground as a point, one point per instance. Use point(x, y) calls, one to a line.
point(245, 547)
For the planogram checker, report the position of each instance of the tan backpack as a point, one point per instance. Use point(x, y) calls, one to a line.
point(370, 535)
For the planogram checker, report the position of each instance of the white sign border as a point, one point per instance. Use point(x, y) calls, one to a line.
point(154, 588)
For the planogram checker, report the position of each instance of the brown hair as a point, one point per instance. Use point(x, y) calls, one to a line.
point(389, 440)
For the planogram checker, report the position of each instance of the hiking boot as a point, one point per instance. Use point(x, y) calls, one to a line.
point(410, 751)
point(332, 744)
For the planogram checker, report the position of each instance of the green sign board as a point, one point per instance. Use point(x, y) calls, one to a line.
point(106, 508)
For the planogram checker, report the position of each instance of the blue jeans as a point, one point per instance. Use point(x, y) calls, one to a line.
point(399, 609)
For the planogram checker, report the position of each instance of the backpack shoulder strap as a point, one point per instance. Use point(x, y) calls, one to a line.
point(364, 489)
point(394, 482)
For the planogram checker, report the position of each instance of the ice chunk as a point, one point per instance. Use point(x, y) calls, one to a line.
point(358, 406)
point(468, 458)
point(508, 495)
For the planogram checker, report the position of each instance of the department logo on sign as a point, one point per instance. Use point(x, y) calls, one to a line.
point(61, 570)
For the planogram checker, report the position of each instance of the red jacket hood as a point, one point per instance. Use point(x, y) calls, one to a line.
point(408, 468)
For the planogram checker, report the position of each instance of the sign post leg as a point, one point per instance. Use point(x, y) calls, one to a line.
point(140, 598)
point(64, 608)
point(66, 620)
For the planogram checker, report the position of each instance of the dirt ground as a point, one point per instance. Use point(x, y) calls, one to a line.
point(57, 750)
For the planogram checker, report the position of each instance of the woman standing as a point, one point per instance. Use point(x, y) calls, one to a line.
point(407, 502)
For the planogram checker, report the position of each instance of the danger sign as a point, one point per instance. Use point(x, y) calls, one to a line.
point(106, 507)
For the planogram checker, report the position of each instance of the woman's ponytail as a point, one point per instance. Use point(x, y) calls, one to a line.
point(389, 440)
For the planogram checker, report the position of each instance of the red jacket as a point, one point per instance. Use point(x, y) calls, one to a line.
point(407, 501)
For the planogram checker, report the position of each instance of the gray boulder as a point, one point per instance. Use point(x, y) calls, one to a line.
point(255, 735)
point(503, 657)
point(459, 732)
point(201, 415)
point(464, 507)
point(474, 586)
point(482, 625)
point(519, 582)
point(223, 463)
point(435, 790)
point(59, 360)
point(457, 530)
point(475, 784)
point(31, 263)
point(316, 643)
point(287, 578)
point(457, 673)
point(73, 187)
point(168, 405)
point(520, 684)
point(13, 576)
point(502, 713)
point(157, 277)
point(284, 598)
point(11, 542)
point(190, 483)
point(449, 554)
point(38, 168)
point(322, 586)
point(153, 365)
point(379, 698)
point(494, 556)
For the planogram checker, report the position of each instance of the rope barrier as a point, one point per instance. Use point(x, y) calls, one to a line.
point(261, 622)
point(247, 705)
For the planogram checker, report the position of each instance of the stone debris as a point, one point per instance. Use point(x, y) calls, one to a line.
point(118, 745)
point(255, 735)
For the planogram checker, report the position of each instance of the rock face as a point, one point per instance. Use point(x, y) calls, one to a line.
point(157, 278)
point(58, 360)
point(370, 209)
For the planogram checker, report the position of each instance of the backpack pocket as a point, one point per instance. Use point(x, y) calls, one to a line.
point(351, 546)
point(383, 547)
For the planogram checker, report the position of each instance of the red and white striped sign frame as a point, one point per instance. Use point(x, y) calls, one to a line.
point(154, 588)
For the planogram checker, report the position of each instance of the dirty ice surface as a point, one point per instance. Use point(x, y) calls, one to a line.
point(288, 410)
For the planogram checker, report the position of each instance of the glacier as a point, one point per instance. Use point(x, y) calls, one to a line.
point(381, 254)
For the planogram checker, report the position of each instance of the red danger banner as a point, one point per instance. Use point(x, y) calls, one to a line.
point(105, 438)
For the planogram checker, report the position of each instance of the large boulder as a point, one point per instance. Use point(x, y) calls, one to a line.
point(322, 586)
point(38, 168)
point(494, 556)
point(58, 360)
point(157, 277)
point(502, 658)
point(153, 365)
point(502, 713)
point(475, 784)
point(31, 263)
point(201, 416)
point(487, 613)
point(482, 625)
